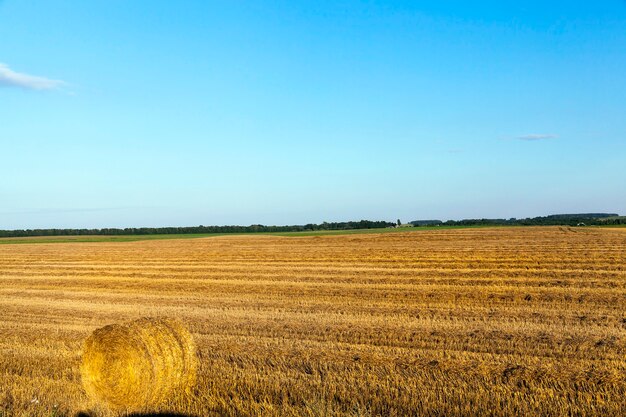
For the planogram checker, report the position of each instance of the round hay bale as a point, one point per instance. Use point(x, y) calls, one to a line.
point(139, 364)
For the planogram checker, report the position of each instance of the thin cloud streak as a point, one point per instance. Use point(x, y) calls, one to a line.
point(533, 137)
point(10, 78)
point(69, 210)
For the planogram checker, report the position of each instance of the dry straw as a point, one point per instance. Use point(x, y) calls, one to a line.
point(139, 364)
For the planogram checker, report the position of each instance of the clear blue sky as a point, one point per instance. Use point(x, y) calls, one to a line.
point(152, 113)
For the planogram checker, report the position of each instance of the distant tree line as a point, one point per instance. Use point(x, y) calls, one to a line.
point(255, 228)
point(587, 219)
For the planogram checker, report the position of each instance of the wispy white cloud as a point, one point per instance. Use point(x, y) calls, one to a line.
point(541, 136)
point(10, 78)
point(70, 210)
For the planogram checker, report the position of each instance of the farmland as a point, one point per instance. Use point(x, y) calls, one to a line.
point(478, 321)
point(135, 238)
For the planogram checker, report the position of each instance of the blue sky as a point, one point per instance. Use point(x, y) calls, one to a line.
point(156, 113)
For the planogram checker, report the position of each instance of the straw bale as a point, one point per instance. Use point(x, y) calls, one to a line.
point(139, 364)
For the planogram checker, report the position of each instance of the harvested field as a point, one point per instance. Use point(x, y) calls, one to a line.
point(490, 321)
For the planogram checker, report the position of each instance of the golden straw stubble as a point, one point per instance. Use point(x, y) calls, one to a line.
point(139, 364)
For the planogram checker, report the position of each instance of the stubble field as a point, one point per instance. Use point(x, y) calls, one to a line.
point(491, 321)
